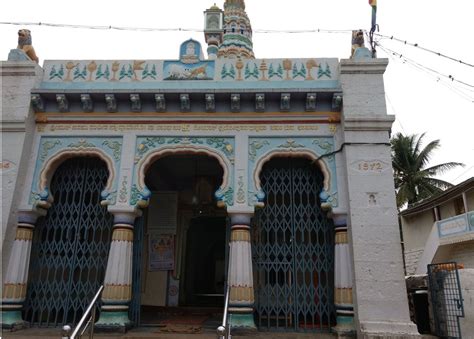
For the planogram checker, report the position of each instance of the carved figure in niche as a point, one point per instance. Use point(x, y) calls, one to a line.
point(199, 72)
point(357, 40)
point(190, 49)
point(25, 44)
point(372, 199)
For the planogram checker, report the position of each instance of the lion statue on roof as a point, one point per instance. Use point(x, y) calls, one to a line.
point(25, 44)
point(357, 41)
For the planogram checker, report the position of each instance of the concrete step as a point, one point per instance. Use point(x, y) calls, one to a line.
point(155, 332)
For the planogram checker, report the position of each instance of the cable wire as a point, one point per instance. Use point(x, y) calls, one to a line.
point(424, 49)
point(450, 77)
point(391, 54)
point(150, 29)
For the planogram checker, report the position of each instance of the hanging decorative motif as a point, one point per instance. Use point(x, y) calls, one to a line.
point(155, 147)
point(319, 150)
point(52, 150)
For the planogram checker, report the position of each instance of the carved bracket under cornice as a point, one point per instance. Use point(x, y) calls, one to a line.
point(187, 102)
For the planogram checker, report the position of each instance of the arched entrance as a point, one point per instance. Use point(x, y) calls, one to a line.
point(293, 250)
point(184, 237)
point(70, 245)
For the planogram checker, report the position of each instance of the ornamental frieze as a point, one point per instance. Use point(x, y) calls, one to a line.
point(318, 149)
point(149, 149)
point(54, 150)
point(70, 72)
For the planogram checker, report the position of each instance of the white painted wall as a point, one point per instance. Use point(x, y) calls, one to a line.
point(447, 210)
point(463, 253)
point(416, 229)
point(17, 133)
point(412, 258)
point(381, 303)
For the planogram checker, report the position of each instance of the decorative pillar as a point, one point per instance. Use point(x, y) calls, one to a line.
point(240, 277)
point(343, 276)
point(16, 276)
point(117, 292)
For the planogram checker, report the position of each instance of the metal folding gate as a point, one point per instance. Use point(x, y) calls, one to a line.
point(446, 299)
point(70, 245)
point(293, 250)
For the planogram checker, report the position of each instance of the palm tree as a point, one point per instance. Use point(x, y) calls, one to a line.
point(413, 180)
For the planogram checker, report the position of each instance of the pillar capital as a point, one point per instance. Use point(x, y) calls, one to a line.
point(339, 219)
point(30, 216)
point(125, 215)
point(240, 218)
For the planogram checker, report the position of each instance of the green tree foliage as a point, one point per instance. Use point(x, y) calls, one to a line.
point(414, 181)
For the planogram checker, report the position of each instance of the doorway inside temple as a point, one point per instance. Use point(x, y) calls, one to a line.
point(205, 271)
point(180, 257)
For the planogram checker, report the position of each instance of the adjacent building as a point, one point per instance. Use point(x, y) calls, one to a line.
point(438, 237)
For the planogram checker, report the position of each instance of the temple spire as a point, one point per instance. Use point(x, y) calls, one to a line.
point(234, 3)
point(237, 40)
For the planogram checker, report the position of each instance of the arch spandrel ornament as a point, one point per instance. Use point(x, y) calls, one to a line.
point(150, 149)
point(319, 150)
point(53, 151)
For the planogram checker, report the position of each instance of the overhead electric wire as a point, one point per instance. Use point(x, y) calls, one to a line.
point(463, 173)
point(424, 48)
point(110, 27)
point(450, 77)
point(446, 84)
point(150, 29)
point(266, 31)
point(432, 72)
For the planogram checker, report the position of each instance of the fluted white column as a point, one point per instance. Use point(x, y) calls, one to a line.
point(117, 292)
point(240, 277)
point(16, 276)
point(343, 277)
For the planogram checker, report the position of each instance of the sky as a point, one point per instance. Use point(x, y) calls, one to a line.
point(418, 89)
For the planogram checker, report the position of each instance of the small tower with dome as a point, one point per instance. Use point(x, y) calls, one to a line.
point(236, 32)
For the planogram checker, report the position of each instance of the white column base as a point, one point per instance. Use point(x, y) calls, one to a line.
point(386, 329)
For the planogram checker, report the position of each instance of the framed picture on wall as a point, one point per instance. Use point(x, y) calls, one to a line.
point(161, 252)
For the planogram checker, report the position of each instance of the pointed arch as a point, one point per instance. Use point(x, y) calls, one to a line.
point(151, 157)
point(51, 165)
point(292, 153)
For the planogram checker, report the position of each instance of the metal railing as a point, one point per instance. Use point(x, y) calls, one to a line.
point(87, 320)
point(223, 331)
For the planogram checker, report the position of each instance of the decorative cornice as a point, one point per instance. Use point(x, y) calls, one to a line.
point(22, 68)
point(372, 66)
point(368, 123)
point(12, 126)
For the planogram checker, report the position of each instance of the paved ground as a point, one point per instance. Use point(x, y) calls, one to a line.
point(144, 333)
point(154, 332)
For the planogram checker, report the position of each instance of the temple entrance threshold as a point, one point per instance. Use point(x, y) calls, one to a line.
point(180, 247)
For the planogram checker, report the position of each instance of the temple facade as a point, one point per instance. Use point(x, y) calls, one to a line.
point(168, 181)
